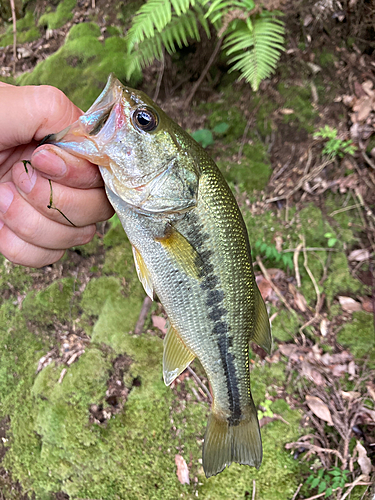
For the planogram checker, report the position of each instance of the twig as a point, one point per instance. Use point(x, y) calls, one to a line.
point(143, 315)
point(246, 131)
point(254, 489)
point(160, 77)
point(295, 262)
point(367, 159)
point(317, 291)
point(204, 72)
point(14, 19)
point(273, 286)
point(353, 485)
point(312, 249)
point(297, 491)
point(335, 212)
point(199, 382)
point(314, 448)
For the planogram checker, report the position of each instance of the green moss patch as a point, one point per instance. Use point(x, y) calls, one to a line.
point(80, 67)
point(62, 14)
point(359, 336)
point(26, 31)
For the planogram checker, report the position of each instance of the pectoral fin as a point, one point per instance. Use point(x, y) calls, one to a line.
point(143, 274)
point(176, 356)
point(262, 330)
point(182, 253)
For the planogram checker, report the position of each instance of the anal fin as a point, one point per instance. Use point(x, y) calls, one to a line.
point(143, 274)
point(262, 329)
point(176, 356)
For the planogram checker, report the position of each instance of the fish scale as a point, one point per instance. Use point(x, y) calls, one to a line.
point(191, 249)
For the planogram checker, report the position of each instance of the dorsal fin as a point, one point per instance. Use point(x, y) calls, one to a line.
point(176, 356)
point(143, 274)
point(262, 329)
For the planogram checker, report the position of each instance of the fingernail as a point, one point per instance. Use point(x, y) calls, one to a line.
point(6, 198)
point(27, 180)
point(49, 163)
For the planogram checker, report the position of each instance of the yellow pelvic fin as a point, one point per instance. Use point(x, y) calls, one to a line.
point(182, 253)
point(262, 329)
point(176, 356)
point(143, 274)
point(225, 443)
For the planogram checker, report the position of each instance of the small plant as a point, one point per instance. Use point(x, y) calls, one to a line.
point(327, 481)
point(334, 146)
point(266, 412)
point(332, 240)
point(205, 137)
point(253, 37)
point(271, 253)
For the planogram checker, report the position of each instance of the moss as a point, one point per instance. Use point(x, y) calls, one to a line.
point(299, 100)
point(26, 31)
point(54, 302)
point(326, 59)
point(80, 67)
point(254, 170)
point(285, 326)
point(83, 30)
point(14, 278)
point(97, 292)
point(339, 278)
point(359, 336)
point(57, 19)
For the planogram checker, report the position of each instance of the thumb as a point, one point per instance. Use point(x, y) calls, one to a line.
point(30, 113)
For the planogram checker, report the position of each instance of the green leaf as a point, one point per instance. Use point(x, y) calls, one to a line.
point(320, 473)
point(203, 136)
point(331, 242)
point(221, 128)
point(329, 492)
point(335, 472)
point(322, 486)
point(315, 482)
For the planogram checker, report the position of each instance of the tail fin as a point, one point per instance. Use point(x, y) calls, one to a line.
point(225, 443)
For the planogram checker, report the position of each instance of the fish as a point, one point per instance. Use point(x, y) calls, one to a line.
point(191, 250)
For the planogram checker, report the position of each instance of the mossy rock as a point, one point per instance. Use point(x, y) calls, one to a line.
point(57, 19)
point(26, 31)
point(81, 67)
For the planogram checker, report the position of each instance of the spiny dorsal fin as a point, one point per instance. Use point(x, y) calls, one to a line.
point(176, 356)
point(262, 330)
point(182, 252)
point(143, 274)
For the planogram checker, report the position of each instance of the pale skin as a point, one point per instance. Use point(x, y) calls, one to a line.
point(30, 233)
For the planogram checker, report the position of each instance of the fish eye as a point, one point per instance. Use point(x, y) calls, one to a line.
point(145, 119)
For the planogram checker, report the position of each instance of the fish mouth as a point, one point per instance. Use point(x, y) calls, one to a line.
point(85, 137)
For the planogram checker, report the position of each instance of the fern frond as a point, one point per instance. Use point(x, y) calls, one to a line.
point(153, 17)
point(174, 35)
point(257, 50)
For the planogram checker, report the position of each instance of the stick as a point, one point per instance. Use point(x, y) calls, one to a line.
point(160, 77)
point(297, 491)
point(253, 495)
point(295, 262)
point(14, 19)
point(274, 287)
point(143, 315)
point(199, 382)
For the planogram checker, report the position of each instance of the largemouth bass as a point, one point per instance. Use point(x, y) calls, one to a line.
point(191, 249)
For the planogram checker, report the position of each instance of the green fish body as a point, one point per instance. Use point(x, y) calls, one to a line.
point(191, 249)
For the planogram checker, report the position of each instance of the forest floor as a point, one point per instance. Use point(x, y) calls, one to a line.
point(84, 413)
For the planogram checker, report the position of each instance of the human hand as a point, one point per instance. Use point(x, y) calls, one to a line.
point(30, 233)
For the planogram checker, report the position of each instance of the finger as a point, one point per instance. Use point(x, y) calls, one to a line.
point(65, 168)
point(81, 206)
point(30, 113)
point(20, 252)
point(33, 227)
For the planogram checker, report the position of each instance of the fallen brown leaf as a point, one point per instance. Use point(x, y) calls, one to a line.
point(359, 255)
point(363, 459)
point(319, 408)
point(264, 286)
point(182, 469)
point(349, 305)
point(368, 305)
point(159, 322)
